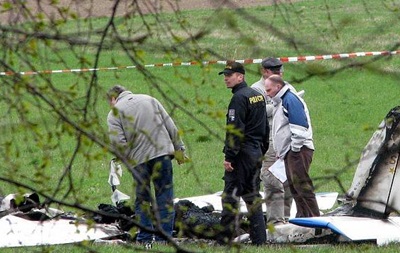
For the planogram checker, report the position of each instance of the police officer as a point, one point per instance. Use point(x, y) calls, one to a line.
point(246, 141)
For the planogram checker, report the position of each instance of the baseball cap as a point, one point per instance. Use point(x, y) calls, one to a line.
point(271, 63)
point(232, 67)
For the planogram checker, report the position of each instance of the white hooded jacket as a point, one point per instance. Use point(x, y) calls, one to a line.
point(291, 126)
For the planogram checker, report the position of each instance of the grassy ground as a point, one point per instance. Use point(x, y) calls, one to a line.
point(347, 98)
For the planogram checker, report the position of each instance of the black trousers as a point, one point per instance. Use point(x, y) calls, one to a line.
point(243, 181)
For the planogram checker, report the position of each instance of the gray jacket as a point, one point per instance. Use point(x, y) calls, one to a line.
point(141, 128)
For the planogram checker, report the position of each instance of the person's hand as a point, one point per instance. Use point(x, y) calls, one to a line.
point(181, 157)
point(228, 166)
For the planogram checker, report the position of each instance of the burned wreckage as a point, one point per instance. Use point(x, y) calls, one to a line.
point(368, 211)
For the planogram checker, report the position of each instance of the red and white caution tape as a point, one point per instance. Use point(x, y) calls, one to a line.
point(191, 63)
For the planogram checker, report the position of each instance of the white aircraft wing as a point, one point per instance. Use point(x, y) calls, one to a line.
point(351, 228)
point(17, 232)
point(325, 200)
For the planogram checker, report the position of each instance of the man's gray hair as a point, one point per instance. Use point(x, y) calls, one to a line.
point(115, 91)
point(277, 79)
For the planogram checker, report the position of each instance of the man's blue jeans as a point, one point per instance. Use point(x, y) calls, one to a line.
point(151, 212)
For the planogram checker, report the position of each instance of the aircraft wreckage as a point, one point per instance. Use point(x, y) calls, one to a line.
point(367, 213)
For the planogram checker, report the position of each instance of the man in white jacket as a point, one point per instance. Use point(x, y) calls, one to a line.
point(293, 142)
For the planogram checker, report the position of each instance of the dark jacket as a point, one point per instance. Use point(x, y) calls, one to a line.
point(247, 123)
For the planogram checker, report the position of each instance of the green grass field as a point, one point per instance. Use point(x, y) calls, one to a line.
point(43, 150)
